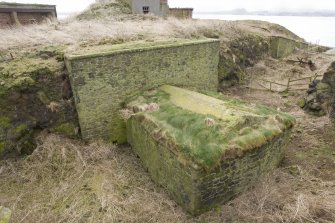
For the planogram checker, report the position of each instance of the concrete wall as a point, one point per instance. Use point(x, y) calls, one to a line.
point(154, 6)
point(26, 18)
point(103, 79)
point(282, 47)
point(5, 19)
point(181, 13)
point(195, 189)
point(24, 14)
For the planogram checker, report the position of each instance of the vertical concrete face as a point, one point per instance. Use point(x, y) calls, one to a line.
point(5, 19)
point(202, 150)
point(281, 47)
point(155, 7)
point(25, 14)
point(102, 81)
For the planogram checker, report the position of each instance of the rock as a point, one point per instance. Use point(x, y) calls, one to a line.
point(301, 103)
point(311, 97)
point(320, 99)
point(322, 87)
point(209, 122)
point(153, 107)
point(44, 56)
point(315, 106)
point(5, 214)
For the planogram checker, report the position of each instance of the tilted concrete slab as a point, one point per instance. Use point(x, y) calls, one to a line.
point(204, 150)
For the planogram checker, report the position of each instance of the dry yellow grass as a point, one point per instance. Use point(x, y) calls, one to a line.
point(73, 32)
point(68, 181)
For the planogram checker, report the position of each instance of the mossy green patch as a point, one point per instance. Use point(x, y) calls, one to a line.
point(2, 147)
point(323, 86)
point(53, 51)
point(43, 97)
point(20, 129)
point(68, 129)
point(205, 130)
point(5, 122)
point(20, 74)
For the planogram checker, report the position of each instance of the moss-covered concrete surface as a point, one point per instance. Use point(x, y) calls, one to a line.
point(35, 95)
point(202, 149)
point(102, 78)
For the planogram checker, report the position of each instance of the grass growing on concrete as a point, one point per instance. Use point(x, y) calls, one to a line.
point(205, 130)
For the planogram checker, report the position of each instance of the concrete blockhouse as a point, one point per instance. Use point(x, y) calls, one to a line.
point(156, 7)
point(24, 14)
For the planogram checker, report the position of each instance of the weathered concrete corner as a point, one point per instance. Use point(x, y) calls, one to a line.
point(203, 150)
point(282, 47)
point(102, 78)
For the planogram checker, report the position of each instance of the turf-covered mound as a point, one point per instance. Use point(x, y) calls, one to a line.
point(34, 95)
point(202, 149)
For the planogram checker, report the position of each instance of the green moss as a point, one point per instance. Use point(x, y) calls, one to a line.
point(43, 97)
point(322, 86)
point(68, 129)
point(22, 73)
point(22, 83)
point(5, 122)
point(2, 147)
point(20, 129)
point(205, 130)
point(53, 51)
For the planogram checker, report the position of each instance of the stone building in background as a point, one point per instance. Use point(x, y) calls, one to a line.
point(159, 8)
point(156, 7)
point(12, 14)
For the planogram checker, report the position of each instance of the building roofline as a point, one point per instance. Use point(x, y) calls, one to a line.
point(19, 7)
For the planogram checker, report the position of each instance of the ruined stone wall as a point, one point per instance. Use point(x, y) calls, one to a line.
point(101, 82)
point(5, 19)
point(195, 189)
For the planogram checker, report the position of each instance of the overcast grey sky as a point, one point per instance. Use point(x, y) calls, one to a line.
point(66, 6)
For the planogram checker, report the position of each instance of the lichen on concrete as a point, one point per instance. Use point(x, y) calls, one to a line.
point(103, 78)
point(202, 142)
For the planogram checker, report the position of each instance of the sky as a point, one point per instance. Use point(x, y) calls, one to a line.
point(69, 6)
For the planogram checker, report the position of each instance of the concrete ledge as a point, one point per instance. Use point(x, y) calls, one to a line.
point(137, 46)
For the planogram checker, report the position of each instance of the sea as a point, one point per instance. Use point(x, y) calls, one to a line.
point(316, 30)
